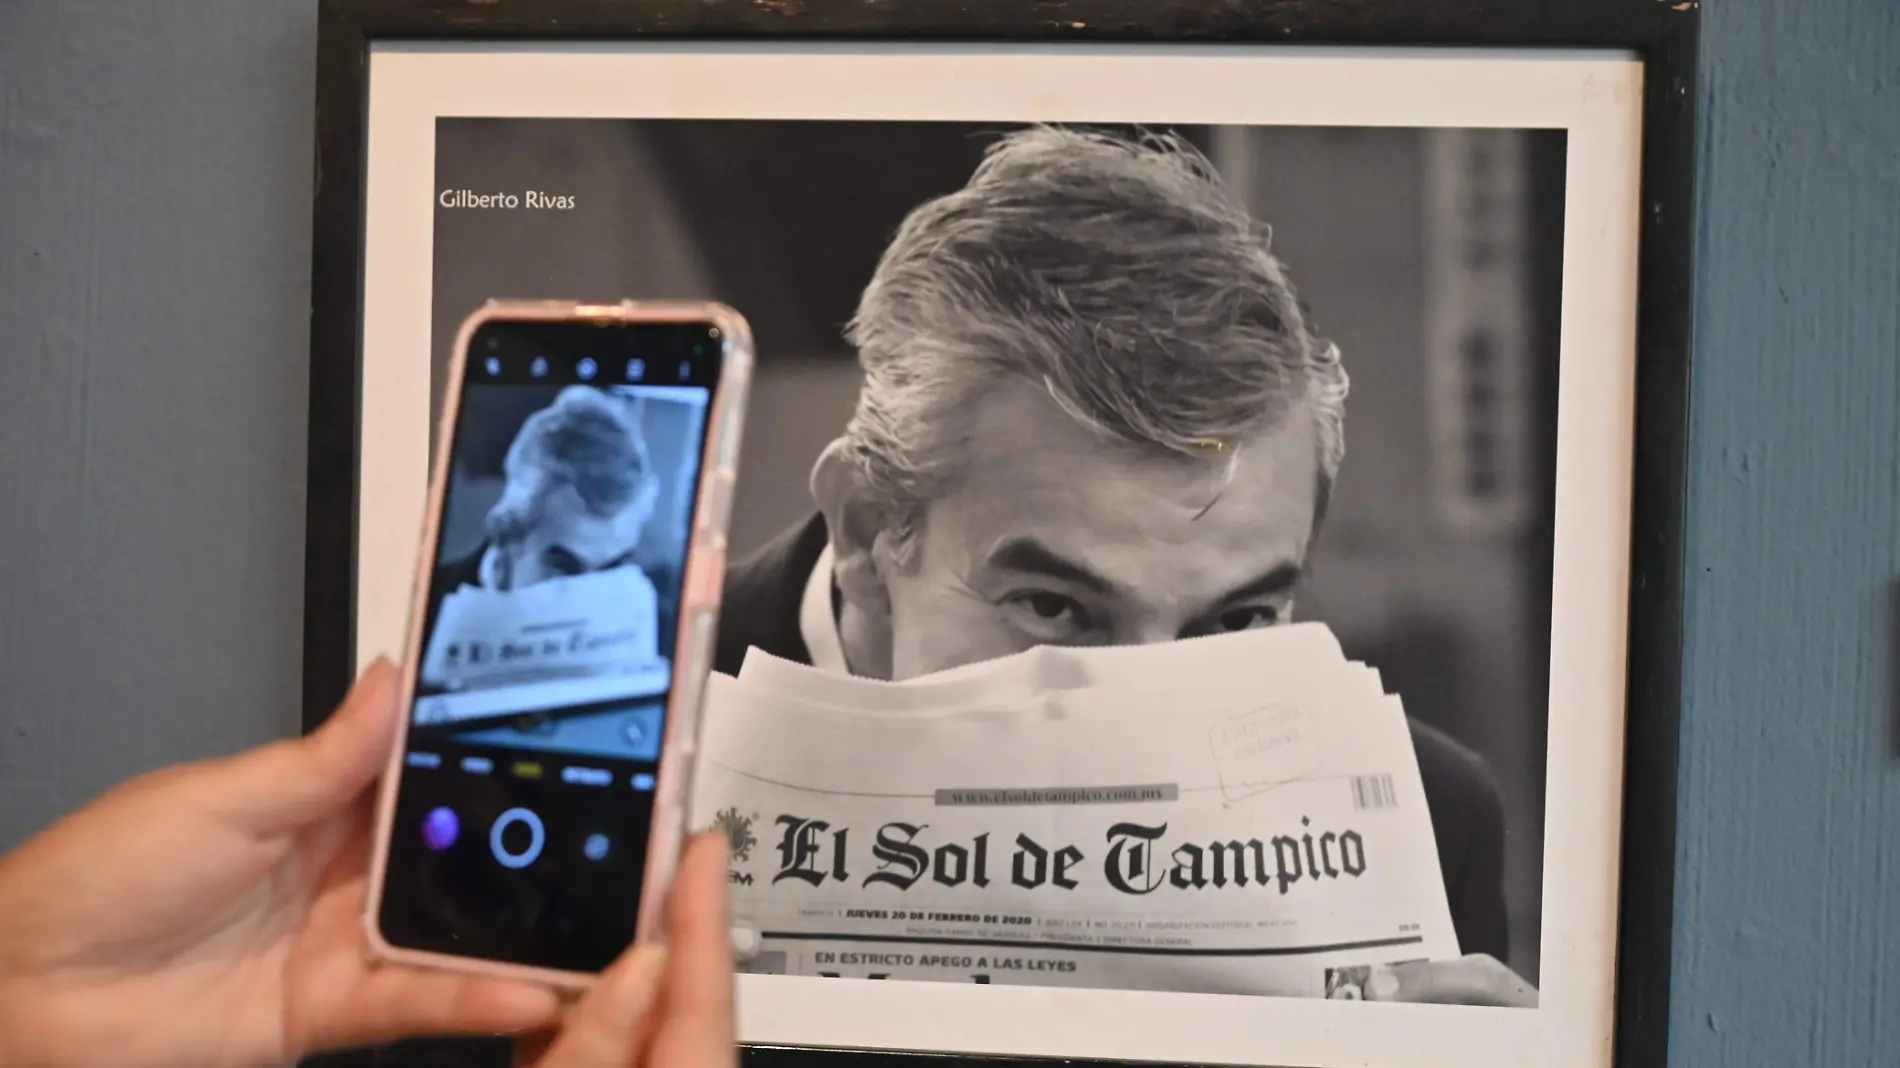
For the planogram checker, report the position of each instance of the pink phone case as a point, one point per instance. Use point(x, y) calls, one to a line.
point(700, 589)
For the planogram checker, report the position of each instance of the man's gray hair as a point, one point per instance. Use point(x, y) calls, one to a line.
point(587, 439)
point(1116, 272)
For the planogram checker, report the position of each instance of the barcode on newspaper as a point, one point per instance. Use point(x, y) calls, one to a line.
point(1373, 791)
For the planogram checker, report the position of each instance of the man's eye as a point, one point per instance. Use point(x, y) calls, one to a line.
point(1050, 606)
point(1048, 617)
point(1247, 618)
point(562, 562)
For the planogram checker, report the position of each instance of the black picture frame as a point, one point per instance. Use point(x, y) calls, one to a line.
point(1662, 34)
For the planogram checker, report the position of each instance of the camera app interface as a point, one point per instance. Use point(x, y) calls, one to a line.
point(547, 643)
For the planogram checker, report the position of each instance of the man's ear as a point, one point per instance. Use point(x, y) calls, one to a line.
point(854, 523)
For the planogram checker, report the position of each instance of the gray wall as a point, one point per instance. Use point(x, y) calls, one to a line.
point(154, 188)
point(155, 178)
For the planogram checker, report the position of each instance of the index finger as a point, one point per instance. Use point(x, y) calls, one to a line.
point(696, 1021)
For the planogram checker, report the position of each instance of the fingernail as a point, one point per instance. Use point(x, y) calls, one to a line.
point(1383, 985)
point(372, 676)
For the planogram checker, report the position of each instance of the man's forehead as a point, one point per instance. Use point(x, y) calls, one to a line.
point(1136, 515)
point(1025, 451)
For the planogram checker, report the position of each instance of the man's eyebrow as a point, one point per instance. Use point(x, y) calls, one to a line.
point(1032, 557)
point(1280, 579)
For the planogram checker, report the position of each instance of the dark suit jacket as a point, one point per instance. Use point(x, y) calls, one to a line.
point(762, 598)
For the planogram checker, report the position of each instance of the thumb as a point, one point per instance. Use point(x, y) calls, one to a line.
point(293, 783)
point(612, 1023)
point(1471, 980)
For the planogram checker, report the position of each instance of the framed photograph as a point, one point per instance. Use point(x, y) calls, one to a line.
point(1277, 409)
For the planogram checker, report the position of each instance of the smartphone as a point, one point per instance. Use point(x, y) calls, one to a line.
point(565, 611)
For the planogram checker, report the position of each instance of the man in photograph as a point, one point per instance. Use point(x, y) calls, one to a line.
point(1093, 413)
point(579, 492)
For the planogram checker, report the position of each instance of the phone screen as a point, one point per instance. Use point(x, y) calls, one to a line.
point(547, 642)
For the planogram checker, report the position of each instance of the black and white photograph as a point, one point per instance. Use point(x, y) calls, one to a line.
point(1179, 550)
point(1100, 386)
point(558, 566)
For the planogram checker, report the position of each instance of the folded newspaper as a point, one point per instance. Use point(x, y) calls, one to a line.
point(1237, 814)
point(603, 622)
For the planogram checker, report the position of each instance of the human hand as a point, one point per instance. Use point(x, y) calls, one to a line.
point(1474, 980)
point(210, 916)
point(660, 1006)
